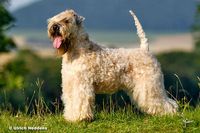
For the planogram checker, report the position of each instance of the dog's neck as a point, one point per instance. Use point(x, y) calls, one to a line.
point(79, 45)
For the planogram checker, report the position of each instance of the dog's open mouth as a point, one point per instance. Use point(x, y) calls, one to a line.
point(57, 42)
point(61, 44)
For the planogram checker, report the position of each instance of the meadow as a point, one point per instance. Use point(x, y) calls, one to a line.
point(120, 121)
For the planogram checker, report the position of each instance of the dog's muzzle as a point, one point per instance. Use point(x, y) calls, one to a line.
point(56, 27)
point(57, 38)
point(56, 30)
point(59, 42)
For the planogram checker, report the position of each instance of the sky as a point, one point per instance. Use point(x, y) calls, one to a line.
point(16, 4)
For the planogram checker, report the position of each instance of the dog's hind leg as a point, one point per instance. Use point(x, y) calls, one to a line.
point(150, 96)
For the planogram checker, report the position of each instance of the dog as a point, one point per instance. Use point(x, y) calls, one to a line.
point(88, 68)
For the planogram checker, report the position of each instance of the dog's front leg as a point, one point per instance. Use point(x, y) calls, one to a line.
point(78, 98)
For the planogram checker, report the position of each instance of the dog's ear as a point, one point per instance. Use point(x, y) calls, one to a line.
point(79, 19)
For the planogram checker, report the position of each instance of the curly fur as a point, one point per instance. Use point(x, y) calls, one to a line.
point(88, 68)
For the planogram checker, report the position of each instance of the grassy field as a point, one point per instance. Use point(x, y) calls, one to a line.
point(113, 122)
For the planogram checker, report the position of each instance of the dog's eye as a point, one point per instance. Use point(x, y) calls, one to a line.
point(67, 21)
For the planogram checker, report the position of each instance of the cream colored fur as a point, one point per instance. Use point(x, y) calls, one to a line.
point(88, 68)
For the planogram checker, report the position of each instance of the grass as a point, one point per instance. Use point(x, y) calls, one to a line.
point(113, 122)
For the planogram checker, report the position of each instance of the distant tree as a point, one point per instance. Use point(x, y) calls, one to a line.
point(196, 28)
point(6, 43)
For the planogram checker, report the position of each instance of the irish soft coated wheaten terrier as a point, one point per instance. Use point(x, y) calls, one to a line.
point(88, 68)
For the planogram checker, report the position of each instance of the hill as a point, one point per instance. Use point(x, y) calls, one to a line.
point(109, 14)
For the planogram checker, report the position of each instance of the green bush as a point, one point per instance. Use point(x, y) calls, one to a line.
point(6, 43)
point(186, 66)
point(20, 76)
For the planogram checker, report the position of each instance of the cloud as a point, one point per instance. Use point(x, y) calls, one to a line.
point(16, 4)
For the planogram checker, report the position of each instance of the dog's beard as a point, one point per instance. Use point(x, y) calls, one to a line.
point(64, 47)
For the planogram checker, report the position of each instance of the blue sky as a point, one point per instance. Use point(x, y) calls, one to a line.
point(16, 4)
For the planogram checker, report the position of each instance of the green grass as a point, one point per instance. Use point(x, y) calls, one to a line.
point(113, 122)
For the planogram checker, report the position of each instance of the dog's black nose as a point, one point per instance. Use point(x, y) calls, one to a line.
point(56, 27)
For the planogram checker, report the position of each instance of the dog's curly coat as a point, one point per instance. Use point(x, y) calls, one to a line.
point(88, 68)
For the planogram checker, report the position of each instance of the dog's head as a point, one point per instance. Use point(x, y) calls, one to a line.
point(62, 28)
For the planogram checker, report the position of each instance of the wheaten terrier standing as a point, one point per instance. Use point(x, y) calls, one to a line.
point(88, 68)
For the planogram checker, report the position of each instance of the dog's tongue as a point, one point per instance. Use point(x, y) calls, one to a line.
point(57, 42)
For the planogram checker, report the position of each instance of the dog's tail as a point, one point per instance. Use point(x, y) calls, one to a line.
point(143, 40)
